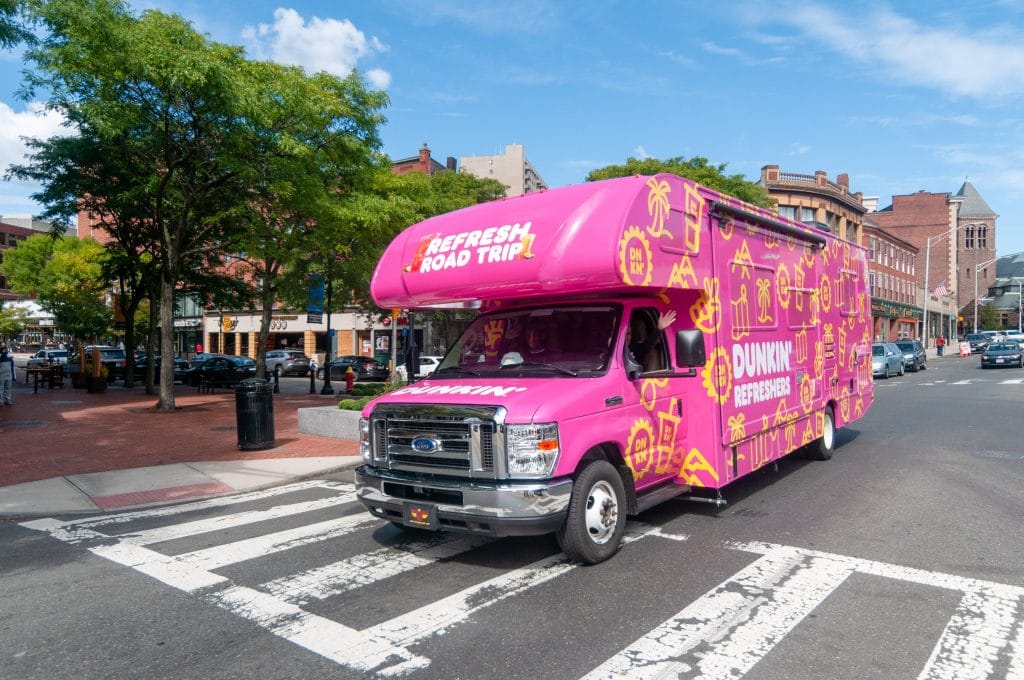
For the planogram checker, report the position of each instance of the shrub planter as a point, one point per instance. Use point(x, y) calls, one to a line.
point(96, 384)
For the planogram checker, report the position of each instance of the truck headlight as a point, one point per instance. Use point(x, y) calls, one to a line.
point(532, 449)
point(365, 445)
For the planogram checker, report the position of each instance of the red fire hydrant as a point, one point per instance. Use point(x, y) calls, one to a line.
point(350, 378)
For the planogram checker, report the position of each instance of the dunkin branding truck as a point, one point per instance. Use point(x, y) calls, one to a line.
point(638, 339)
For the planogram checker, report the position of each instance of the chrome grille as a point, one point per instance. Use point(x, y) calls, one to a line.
point(450, 440)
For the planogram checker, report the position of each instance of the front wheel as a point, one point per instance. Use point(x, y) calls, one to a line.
point(596, 521)
point(319, 374)
point(822, 448)
point(901, 370)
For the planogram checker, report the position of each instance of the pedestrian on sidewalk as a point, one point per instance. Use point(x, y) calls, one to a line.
point(7, 376)
point(940, 342)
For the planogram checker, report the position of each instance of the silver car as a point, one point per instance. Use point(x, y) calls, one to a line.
point(886, 359)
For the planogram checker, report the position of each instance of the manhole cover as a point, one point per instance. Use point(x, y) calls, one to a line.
point(27, 423)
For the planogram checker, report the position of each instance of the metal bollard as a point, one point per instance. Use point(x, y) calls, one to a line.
point(277, 382)
point(312, 380)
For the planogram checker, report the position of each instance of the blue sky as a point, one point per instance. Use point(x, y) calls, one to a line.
point(901, 97)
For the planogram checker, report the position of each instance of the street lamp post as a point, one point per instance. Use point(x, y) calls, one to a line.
point(327, 389)
point(976, 268)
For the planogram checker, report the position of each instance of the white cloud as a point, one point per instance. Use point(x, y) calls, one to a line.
point(379, 78)
point(797, 149)
point(34, 121)
point(331, 45)
point(641, 152)
point(982, 63)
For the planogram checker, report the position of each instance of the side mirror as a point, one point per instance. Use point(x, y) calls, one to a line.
point(690, 351)
point(633, 368)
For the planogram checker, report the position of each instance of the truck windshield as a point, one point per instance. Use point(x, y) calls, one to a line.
point(574, 340)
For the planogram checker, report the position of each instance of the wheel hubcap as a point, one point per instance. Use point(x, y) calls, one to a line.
point(829, 434)
point(602, 512)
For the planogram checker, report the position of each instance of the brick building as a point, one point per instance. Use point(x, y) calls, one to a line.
point(895, 311)
point(422, 163)
point(816, 199)
point(956, 236)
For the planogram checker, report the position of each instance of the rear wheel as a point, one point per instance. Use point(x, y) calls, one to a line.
point(901, 369)
point(822, 448)
point(596, 521)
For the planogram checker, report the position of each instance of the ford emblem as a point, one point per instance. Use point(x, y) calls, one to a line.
point(426, 445)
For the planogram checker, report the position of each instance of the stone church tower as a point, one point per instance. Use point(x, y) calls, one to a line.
point(976, 244)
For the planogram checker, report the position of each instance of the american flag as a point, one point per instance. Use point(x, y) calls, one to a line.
point(941, 290)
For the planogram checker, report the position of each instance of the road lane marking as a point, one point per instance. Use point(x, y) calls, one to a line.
point(722, 634)
point(211, 524)
point(368, 568)
point(279, 541)
point(974, 638)
point(220, 501)
point(743, 619)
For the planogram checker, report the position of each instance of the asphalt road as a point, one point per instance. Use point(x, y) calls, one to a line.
point(899, 558)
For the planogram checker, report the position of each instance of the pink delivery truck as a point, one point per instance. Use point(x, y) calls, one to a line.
point(638, 339)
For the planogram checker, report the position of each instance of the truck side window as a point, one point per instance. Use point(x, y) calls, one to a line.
point(645, 341)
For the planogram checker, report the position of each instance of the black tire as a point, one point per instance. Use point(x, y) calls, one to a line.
point(319, 374)
point(822, 448)
point(596, 521)
point(900, 374)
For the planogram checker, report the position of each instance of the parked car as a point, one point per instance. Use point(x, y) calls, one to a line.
point(1016, 336)
point(978, 342)
point(47, 357)
point(1006, 353)
point(365, 368)
point(180, 367)
point(199, 359)
point(113, 358)
point(914, 357)
point(221, 371)
point(886, 359)
point(287, 362)
point(427, 366)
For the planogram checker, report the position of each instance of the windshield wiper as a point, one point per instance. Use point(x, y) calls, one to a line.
point(553, 367)
point(456, 369)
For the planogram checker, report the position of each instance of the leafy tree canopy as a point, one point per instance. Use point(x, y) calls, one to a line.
point(11, 30)
point(698, 169)
point(66, 276)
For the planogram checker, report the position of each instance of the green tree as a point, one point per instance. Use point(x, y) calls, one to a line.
point(11, 30)
point(988, 317)
point(13, 321)
point(66, 276)
point(312, 139)
point(698, 169)
point(161, 99)
point(364, 222)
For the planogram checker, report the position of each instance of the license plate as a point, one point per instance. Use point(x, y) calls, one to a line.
point(420, 515)
point(999, 361)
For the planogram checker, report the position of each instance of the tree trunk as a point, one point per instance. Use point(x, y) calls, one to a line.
point(166, 401)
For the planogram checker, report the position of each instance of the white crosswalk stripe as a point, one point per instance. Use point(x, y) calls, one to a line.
point(722, 634)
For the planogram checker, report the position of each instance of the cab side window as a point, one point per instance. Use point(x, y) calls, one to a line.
point(646, 342)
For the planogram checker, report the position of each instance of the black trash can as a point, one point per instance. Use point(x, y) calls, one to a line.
point(254, 410)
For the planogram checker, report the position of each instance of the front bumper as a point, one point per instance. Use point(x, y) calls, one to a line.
point(475, 506)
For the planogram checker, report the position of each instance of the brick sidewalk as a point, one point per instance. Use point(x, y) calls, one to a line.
point(69, 431)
